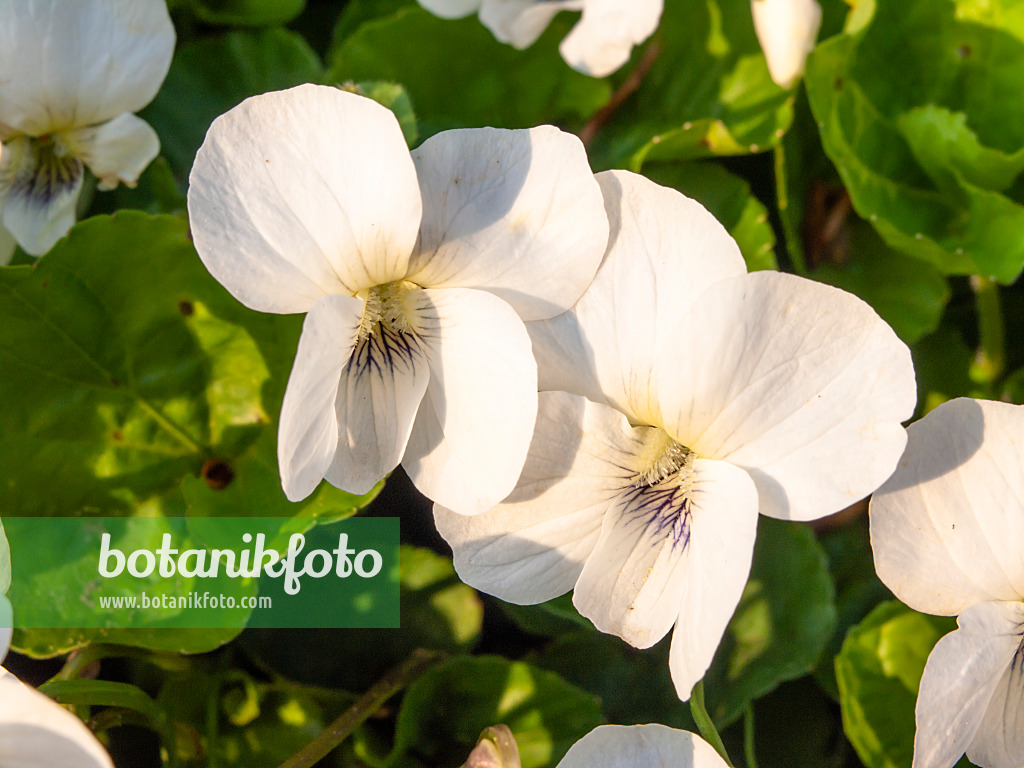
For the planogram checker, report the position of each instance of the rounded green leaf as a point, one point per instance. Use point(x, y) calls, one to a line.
point(783, 622)
point(445, 711)
point(879, 671)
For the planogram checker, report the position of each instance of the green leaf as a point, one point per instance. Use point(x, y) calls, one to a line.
point(729, 200)
point(459, 76)
point(551, 619)
point(394, 97)
point(5, 562)
point(879, 671)
point(439, 612)
point(908, 294)
point(783, 622)
point(634, 685)
point(444, 712)
point(942, 362)
point(708, 92)
point(858, 588)
point(210, 76)
point(930, 157)
point(252, 13)
point(105, 693)
point(842, 249)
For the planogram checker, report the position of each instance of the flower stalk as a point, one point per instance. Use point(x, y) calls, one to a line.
point(345, 725)
point(990, 359)
point(705, 724)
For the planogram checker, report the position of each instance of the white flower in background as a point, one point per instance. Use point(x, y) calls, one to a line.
point(72, 72)
point(36, 732)
point(711, 395)
point(641, 746)
point(787, 31)
point(599, 44)
point(947, 531)
point(412, 270)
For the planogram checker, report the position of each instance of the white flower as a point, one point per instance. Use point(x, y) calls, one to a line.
point(599, 44)
point(641, 746)
point(412, 270)
point(947, 531)
point(711, 395)
point(787, 31)
point(72, 72)
point(35, 732)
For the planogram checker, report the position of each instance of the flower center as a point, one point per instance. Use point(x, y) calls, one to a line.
point(661, 458)
point(390, 309)
point(39, 169)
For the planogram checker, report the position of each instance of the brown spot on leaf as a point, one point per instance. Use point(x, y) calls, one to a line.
point(186, 308)
point(217, 473)
point(118, 435)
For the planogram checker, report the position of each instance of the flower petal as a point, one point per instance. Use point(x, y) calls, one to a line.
point(516, 213)
point(947, 529)
point(308, 433)
point(6, 626)
point(36, 732)
point(39, 189)
point(962, 673)
point(999, 742)
point(786, 30)
point(799, 383)
point(604, 37)
point(641, 746)
point(72, 63)
point(664, 251)
point(451, 9)
point(520, 22)
point(117, 150)
point(531, 547)
point(666, 555)
point(473, 430)
point(381, 389)
point(303, 192)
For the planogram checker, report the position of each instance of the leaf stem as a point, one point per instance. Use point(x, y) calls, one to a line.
point(623, 92)
point(990, 359)
point(704, 723)
point(748, 737)
point(343, 727)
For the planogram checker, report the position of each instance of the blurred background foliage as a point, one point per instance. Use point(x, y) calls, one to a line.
point(892, 170)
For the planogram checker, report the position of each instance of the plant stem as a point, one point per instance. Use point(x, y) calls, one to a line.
point(704, 723)
point(748, 737)
point(623, 92)
point(990, 358)
point(335, 733)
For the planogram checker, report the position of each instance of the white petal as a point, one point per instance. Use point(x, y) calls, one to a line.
point(451, 9)
point(473, 431)
point(118, 150)
point(661, 559)
point(720, 552)
point(36, 732)
point(7, 245)
point(303, 192)
point(604, 38)
point(947, 529)
point(962, 673)
point(641, 746)
point(531, 547)
point(520, 22)
point(381, 389)
point(72, 63)
point(999, 742)
point(6, 626)
point(39, 192)
point(799, 383)
point(514, 212)
point(308, 432)
point(786, 30)
point(664, 251)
